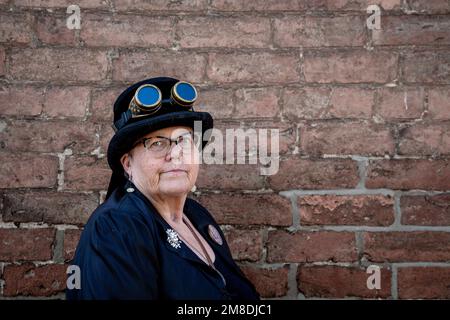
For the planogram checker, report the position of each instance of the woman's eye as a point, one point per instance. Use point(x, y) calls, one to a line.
point(156, 144)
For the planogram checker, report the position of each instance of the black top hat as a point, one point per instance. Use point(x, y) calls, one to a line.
point(130, 130)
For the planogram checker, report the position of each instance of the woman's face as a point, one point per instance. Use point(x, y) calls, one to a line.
point(171, 173)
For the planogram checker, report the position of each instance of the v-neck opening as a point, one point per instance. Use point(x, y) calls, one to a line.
point(167, 226)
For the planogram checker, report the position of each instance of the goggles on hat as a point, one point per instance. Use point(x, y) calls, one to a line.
point(148, 99)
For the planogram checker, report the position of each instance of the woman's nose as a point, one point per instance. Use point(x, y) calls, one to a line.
point(174, 152)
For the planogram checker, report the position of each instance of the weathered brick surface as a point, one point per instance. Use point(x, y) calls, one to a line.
point(315, 174)
point(351, 66)
point(424, 283)
point(269, 283)
point(409, 174)
point(340, 282)
point(71, 238)
point(335, 138)
point(311, 246)
point(244, 244)
point(426, 210)
point(407, 246)
point(26, 170)
point(47, 64)
point(346, 210)
point(247, 209)
point(48, 207)
point(363, 117)
point(29, 280)
point(26, 244)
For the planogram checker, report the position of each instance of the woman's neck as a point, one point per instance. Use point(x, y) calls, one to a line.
point(170, 207)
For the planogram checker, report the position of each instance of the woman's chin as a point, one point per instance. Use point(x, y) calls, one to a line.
point(174, 187)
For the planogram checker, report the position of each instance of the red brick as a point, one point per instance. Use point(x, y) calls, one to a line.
point(230, 177)
point(425, 139)
point(106, 133)
point(2, 62)
point(367, 210)
point(426, 210)
point(430, 6)
point(409, 174)
point(294, 5)
point(347, 138)
point(439, 103)
point(67, 101)
point(412, 30)
point(256, 103)
point(26, 244)
point(325, 103)
point(195, 32)
point(248, 209)
point(306, 103)
point(351, 103)
point(225, 67)
point(71, 239)
point(354, 66)
point(16, 28)
point(311, 246)
point(286, 133)
point(294, 31)
point(48, 207)
point(30, 280)
point(136, 66)
point(27, 170)
point(424, 283)
point(21, 100)
point(258, 5)
point(127, 31)
point(58, 64)
point(84, 4)
point(244, 244)
point(341, 282)
point(53, 30)
point(358, 5)
point(315, 174)
point(103, 102)
point(427, 67)
point(400, 103)
point(86, 173)
point(407, 246)
point(269, 282)
point(45, 136)
point(218, 102)
point(159, 5)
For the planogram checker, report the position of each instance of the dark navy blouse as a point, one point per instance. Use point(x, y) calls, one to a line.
point(126, 252)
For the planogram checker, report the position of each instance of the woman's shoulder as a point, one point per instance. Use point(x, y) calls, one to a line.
point(121, 216)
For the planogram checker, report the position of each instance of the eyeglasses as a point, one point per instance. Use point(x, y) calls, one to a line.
point(148, 99)
point(159, 146)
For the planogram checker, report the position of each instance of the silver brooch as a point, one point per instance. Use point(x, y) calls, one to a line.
point(172, 238)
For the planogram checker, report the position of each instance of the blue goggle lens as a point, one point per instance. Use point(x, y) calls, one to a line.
point(149, 96)
point(186, 92)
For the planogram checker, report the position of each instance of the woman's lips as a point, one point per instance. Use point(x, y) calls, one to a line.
point(175, 172)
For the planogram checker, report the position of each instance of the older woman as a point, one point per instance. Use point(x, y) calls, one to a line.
point(148, 240)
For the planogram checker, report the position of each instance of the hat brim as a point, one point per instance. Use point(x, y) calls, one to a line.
point(124, 139)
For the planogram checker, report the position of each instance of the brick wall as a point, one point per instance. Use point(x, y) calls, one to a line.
point(364, 117)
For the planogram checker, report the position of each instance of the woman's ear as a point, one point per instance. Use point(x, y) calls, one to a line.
point(125, 161)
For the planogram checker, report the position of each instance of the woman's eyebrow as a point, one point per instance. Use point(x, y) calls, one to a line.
point(183, 134)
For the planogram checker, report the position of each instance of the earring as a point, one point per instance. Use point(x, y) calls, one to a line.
point(130, 177)
point(194, 188)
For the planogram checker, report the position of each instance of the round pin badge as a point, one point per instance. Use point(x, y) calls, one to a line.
point(214, 234)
